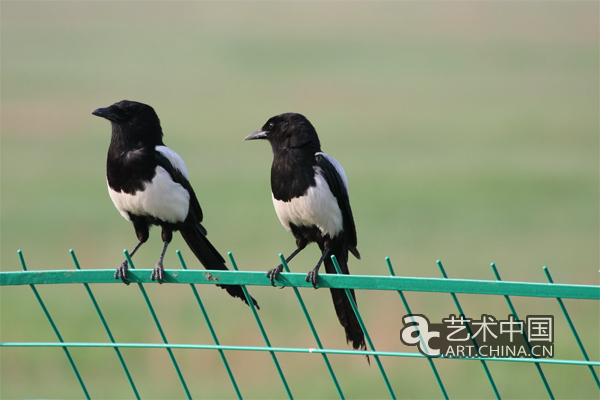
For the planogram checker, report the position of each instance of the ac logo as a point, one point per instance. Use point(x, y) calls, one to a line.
point(416, 332)
point(486, 337)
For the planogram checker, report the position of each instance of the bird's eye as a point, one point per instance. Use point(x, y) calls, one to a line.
point(127, 115)
point(271, 125)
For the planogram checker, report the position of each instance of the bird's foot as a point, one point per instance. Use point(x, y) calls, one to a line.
point(121, 272)
point(158, 273)
point(273, 274)
point(313, 277)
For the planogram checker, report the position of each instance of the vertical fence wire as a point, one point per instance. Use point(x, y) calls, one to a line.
point(408, 311)
point(263, 332)
point(514, 312)
point(272, 350)
point(314, 331)
point(212, 331)
point(461, 312)
point(573, 330)
point(160, 330)
point(55, 328)
point(106, 328)
point(367, 336)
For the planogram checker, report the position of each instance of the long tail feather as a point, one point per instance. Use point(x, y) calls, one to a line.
point(210, 258)
point(343, 308)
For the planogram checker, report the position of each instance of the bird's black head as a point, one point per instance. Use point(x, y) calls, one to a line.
point(288, 131)
point(133, 122)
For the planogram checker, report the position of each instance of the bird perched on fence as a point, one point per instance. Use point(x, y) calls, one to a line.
point(149, 184)
point(310, 195)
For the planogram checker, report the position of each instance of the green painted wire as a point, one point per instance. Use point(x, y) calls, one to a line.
point(514, 312)
point(289, 350)
point(106, 328)
point(409, 311)
point(314, 331)
point(572, 326)
point(160, 330)
point(368, 282)
point(364, 329)
point(460, 311)
point(558, 291)
point(55, 328)
point(262, 331)
point(212, 331)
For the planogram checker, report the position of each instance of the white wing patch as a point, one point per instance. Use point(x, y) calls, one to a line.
point(174, 159)
point(162, 198)
point(318, 207)
point(338, 167)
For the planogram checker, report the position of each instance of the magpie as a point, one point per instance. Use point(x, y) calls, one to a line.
point(310, 194)
point(149, 185)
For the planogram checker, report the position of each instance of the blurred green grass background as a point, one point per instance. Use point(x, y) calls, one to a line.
point(468, 131)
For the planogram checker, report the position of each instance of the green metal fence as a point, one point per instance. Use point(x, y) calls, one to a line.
point(296, 280)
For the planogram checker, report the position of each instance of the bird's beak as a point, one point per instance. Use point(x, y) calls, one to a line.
point(257, 135)
point(105, 113)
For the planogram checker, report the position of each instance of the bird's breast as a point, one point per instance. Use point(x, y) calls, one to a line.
point(316, 207)
point(161, 198)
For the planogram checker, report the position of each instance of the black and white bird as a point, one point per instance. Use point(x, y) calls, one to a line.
point(310, 194)
point(149, 184)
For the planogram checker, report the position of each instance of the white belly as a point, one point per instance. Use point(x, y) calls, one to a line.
point(162, 199)
point(317, 207)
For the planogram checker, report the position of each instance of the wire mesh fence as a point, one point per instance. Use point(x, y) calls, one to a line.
point(391, 282)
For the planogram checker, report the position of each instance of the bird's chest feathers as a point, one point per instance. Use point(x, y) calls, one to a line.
point(291, 175)
point(138, 186)
point(317, 206)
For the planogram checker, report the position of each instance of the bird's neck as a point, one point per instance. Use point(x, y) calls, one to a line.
point(296, 157)
point(122, 141)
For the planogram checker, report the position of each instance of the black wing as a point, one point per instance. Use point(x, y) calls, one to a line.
point(337, 185)
point(195, 211)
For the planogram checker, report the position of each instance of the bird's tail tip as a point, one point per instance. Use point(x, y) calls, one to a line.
point(236, 291)
point(359, 344)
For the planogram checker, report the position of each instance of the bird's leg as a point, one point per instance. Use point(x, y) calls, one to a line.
point(142, 232)
point(121, 271)
point(158, 271)
point(313, 275)
point(273, 273)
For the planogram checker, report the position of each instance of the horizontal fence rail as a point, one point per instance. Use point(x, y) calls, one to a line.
point(367, 282)
point(293, 350)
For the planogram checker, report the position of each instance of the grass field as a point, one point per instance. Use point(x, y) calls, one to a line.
point(468, 131)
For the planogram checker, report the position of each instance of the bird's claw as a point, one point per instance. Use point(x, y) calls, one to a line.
point(158, 273)
point(312, 277)
point(273, 274)
point(121, 273)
